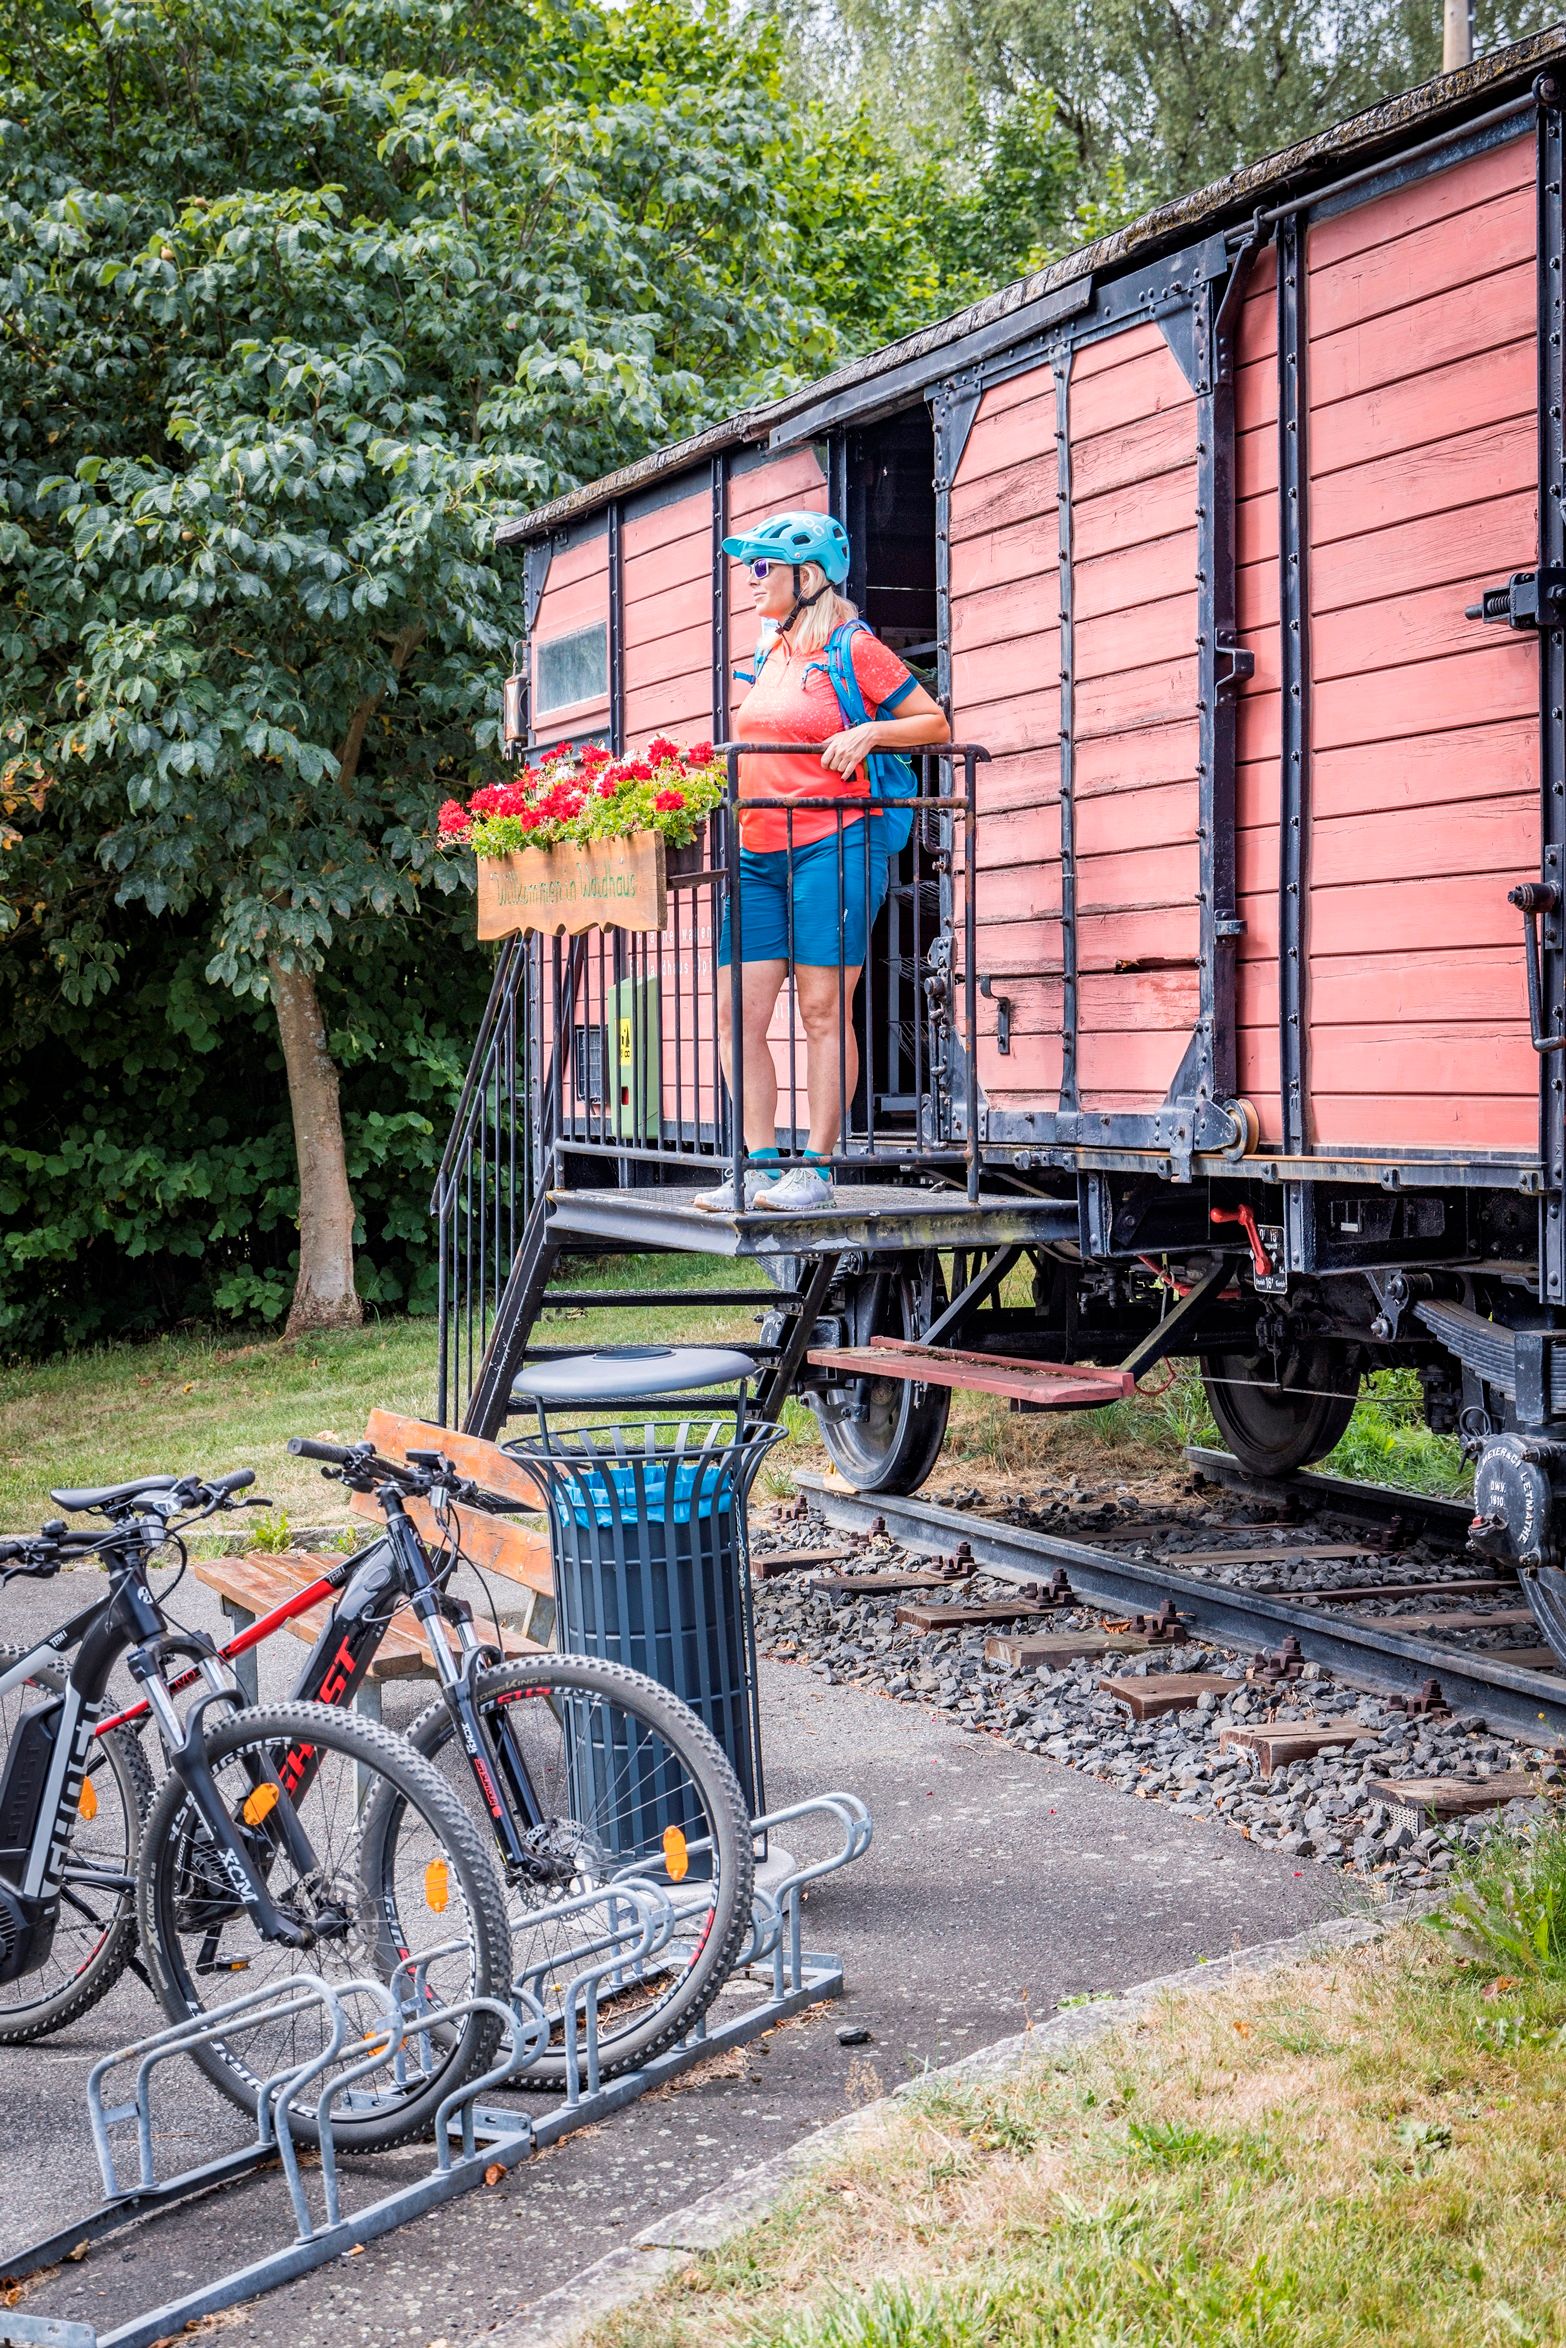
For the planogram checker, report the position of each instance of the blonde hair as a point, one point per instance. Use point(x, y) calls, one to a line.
point(812, 632)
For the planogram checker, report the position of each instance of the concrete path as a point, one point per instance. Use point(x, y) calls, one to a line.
point(998, 1884)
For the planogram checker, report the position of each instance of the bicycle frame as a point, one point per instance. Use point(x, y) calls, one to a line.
point(369, 1588)
point(46, 1763)
point(397, 1570)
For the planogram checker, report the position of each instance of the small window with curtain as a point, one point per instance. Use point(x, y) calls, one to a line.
point(573, 668)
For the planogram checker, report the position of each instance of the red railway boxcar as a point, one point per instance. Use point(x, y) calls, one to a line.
point(1222, 986)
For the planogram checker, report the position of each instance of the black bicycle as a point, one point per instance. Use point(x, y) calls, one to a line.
point(285, 1838)
point(583, 1773)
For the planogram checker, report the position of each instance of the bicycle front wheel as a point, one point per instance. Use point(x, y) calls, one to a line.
point(607, 1774)
point(385, 1874)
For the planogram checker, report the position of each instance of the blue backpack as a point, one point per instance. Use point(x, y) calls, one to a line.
point(891, 776)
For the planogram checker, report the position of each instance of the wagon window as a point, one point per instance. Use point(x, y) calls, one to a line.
point(572, 668)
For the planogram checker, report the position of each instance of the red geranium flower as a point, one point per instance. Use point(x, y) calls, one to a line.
point(639, 770)
point(669, 802)
point(454, 817)
point(699, 754)
point(660, 747)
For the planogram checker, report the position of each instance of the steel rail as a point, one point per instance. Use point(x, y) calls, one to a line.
point(1527, 1704)
point(1378, 1504)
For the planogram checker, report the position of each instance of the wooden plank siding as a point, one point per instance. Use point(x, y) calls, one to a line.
point(1420, 375)
point(666, 559)
point(1005, 681)
point(1133, 434)
point(792, 478)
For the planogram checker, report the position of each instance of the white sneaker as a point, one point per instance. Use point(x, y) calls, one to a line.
point(721, 1200)
point(801, 1189)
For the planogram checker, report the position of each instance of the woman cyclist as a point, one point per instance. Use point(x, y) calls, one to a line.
point(806, 896)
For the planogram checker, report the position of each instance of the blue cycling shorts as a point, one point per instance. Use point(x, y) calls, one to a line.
point(827, 897)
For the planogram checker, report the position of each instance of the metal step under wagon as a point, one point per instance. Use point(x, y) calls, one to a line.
point(1045, 1385)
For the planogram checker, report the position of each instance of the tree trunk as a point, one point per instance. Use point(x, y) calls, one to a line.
point(324, 1295)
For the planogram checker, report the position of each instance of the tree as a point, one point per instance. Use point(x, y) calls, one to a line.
point(1128, 101)
point(147, 1166)
point(294, 301)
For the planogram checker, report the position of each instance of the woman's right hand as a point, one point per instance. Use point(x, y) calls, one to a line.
point(844, 754)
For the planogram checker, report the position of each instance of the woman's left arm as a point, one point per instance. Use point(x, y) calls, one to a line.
point(920, 722)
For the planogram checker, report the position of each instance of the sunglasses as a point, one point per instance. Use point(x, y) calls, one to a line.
point(759, 569)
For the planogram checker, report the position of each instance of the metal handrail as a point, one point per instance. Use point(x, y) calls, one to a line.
point(971, 754)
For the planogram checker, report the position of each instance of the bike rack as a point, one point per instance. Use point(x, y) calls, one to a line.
point(623, 1925)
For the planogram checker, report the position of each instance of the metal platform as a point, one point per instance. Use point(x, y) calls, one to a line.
point(624, 1925)
point(1044, 1385)
point(870, 1215)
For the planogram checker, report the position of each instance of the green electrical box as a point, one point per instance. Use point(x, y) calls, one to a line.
point(635, 1058)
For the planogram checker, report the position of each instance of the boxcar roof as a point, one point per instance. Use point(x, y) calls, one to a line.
point(892, 376)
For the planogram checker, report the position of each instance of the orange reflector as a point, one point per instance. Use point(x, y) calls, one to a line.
point(259, 1805)
point(87, 1807)
point(675, 1856)
point(437, 1886)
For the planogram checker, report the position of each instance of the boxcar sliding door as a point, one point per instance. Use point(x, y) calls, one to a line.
point(1089, 596)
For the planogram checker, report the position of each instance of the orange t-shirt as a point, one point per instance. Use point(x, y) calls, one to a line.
point(792, 701)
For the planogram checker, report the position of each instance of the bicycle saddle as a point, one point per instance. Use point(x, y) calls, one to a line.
point(106, 1495)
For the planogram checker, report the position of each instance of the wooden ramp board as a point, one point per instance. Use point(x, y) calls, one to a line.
point(1048, 1385)
point(962, 1617)
point(1503, 1619)
point(1452, 1797)
point(1279, 1553)
point(1350, 1593)
point(768, 1565)
point(879, 1585)
point(1168, 1691)
point(1279, 1742)
point(1053, 1650)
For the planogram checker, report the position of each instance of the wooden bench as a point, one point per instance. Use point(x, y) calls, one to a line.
point(514, 1553)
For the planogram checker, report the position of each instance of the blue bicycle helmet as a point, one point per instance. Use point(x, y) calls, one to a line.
point(795, 538)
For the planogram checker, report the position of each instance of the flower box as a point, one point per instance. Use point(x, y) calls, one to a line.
point(575, 885)
point(583, 839)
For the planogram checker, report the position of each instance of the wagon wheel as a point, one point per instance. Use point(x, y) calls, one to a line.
point(897, 1442)
point(1278, 1413)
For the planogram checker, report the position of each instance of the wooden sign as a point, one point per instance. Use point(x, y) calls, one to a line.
point(609, 884)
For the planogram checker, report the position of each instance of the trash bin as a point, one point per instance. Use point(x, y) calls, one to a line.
point(647, 1525)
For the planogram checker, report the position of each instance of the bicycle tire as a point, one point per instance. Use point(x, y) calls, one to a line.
point(120, 1753)
point(379, 1939)
point(721, 1938)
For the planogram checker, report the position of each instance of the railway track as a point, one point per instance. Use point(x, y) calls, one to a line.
point(1396, 1610)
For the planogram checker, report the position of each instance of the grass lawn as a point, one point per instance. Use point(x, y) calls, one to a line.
point(1365, 2150)
point(206, 1402)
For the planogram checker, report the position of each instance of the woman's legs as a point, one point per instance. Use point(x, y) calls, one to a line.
point(832, 1055)
point(761, 984)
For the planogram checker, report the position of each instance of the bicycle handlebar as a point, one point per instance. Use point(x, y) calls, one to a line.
point(364, 1468)
point(237, 1480)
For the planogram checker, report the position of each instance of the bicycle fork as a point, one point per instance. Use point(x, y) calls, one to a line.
point(490, 1767)
point(186, 1748)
